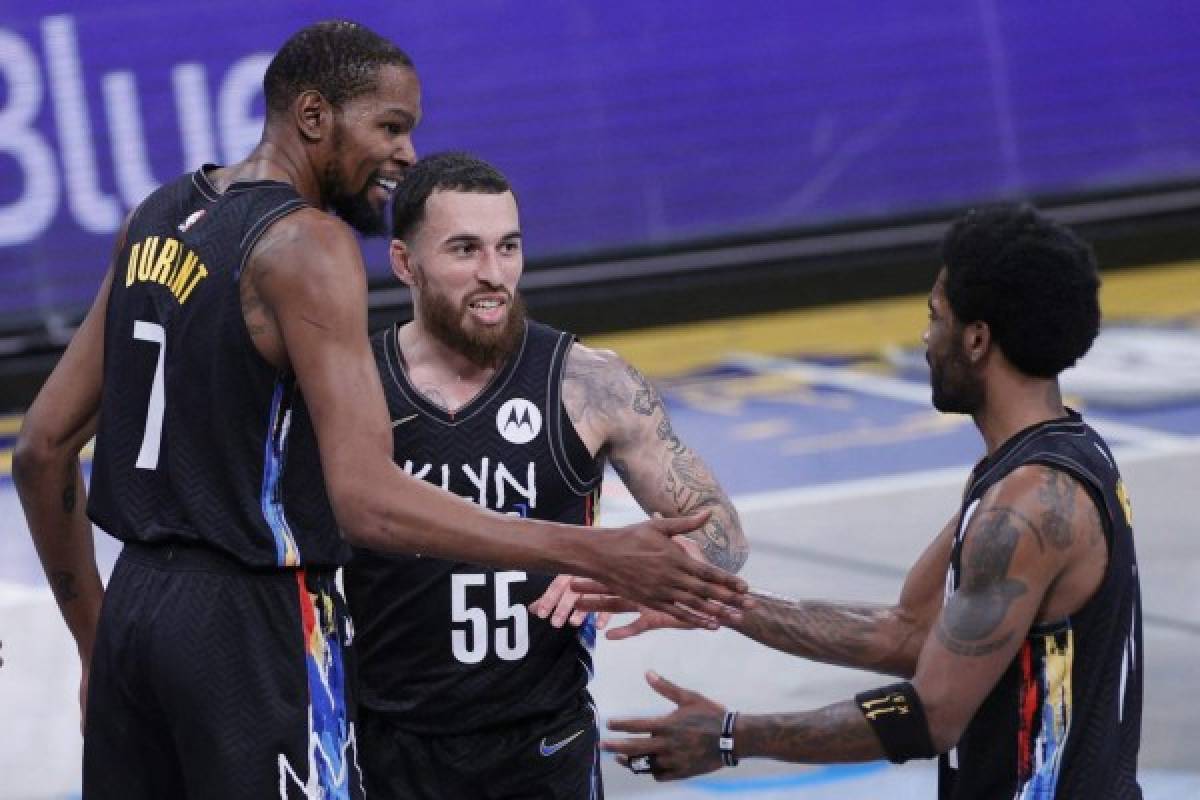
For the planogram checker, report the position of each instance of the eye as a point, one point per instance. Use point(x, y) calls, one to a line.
point(463, 248)
point(510, 248)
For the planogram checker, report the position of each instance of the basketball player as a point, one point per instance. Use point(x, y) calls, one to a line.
point(517, 417)
point(243, 442)
point(1018, 634)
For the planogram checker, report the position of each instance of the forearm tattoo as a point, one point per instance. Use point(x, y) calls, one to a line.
point(971, 621)
point(836, 733)
point(844, 635)
point(603, 391)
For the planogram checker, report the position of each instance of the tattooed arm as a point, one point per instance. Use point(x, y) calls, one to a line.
point(880, 638)
point(1032, 534)
point(49, 481)
point(618, 413)
point(1034, 552)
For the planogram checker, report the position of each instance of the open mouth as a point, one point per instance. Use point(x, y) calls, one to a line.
point(488, 310)
point(387, 184)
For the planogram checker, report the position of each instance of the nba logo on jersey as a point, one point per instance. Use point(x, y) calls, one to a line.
point(192, 219)
point(519, 420)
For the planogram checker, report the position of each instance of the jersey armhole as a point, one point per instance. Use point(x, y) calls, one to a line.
point(580, 475)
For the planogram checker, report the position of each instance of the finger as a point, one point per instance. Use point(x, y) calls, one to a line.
point(606, 603)
point(633, 747)
point(627, 631)
point(602, 620)
point(549, 599)
point(566, 604)
point(705, 582)
point(589, 586)
point(636, 724)
point(577, 618)
point(688, 617)
point(675, 526)
point(676, 694)
point(690, 546)
point(691, 611)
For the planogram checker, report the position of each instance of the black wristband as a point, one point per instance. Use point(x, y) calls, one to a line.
point(725, 743)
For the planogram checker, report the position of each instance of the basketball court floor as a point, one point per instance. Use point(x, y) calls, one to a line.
point(818, 424)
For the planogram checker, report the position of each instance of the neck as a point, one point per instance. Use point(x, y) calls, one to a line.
point(1015, 402)
point(274, 159)
point(429, 356)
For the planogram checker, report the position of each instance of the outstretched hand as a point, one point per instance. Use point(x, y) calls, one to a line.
point(641, 563)
point(597, 597)
point(681, 744)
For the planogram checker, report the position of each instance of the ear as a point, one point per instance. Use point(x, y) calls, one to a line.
point(401, 259)
point(976, 341)
point(313, 115)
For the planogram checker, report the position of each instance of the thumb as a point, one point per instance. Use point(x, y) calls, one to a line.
point(676, 526)
point(658, 683)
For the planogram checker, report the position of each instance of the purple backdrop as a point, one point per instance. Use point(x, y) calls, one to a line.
point(621, 123)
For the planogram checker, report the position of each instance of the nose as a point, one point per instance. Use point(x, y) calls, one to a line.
point(405, 153)
point(487, 268)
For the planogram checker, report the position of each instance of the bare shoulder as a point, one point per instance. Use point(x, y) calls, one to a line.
point(305, 267)
point(586, 365)
point(596, 388)
point(309, 240)
point(1052, 504)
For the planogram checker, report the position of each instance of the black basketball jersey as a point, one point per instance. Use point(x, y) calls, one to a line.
point(200, 439)
point(1064, 721)
point(449, 647)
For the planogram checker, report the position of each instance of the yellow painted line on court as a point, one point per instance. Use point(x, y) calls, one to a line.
point(10, 424)
point(1169, 291)
point(5, 462)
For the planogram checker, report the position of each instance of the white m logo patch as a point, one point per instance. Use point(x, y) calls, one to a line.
point(519, 421)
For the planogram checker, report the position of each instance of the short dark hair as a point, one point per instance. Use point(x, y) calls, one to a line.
point(1032, 280)
point(452, 171)
point(339, 59)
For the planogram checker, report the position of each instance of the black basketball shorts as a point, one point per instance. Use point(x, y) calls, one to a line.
point(212, 681)
point(550, 758)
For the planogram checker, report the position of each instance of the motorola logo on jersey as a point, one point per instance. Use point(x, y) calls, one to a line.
point(519, 421)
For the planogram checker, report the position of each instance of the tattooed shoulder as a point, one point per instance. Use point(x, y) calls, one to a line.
point(1057, 494)
point(595, 384)
point(972, 621)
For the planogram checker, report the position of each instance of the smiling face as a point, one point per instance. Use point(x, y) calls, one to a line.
point(957, 386)
point(371, 148)
point(463, 264)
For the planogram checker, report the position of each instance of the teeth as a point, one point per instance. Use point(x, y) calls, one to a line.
point(387, 183)
point(486, 304)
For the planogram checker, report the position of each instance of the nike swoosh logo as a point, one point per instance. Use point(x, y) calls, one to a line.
point(551, 749)
point(396, 423)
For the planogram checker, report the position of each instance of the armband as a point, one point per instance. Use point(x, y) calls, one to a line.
point(896, 715)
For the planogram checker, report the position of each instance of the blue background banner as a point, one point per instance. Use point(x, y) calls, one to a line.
point(621, 124)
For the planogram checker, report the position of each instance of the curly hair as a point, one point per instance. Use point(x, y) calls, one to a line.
point(337, 58)
point(1032, 280)
point(454, 171)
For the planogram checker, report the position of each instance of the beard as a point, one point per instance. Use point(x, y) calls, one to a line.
point(956, 388)
point(482, 346)
point(354, 208)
